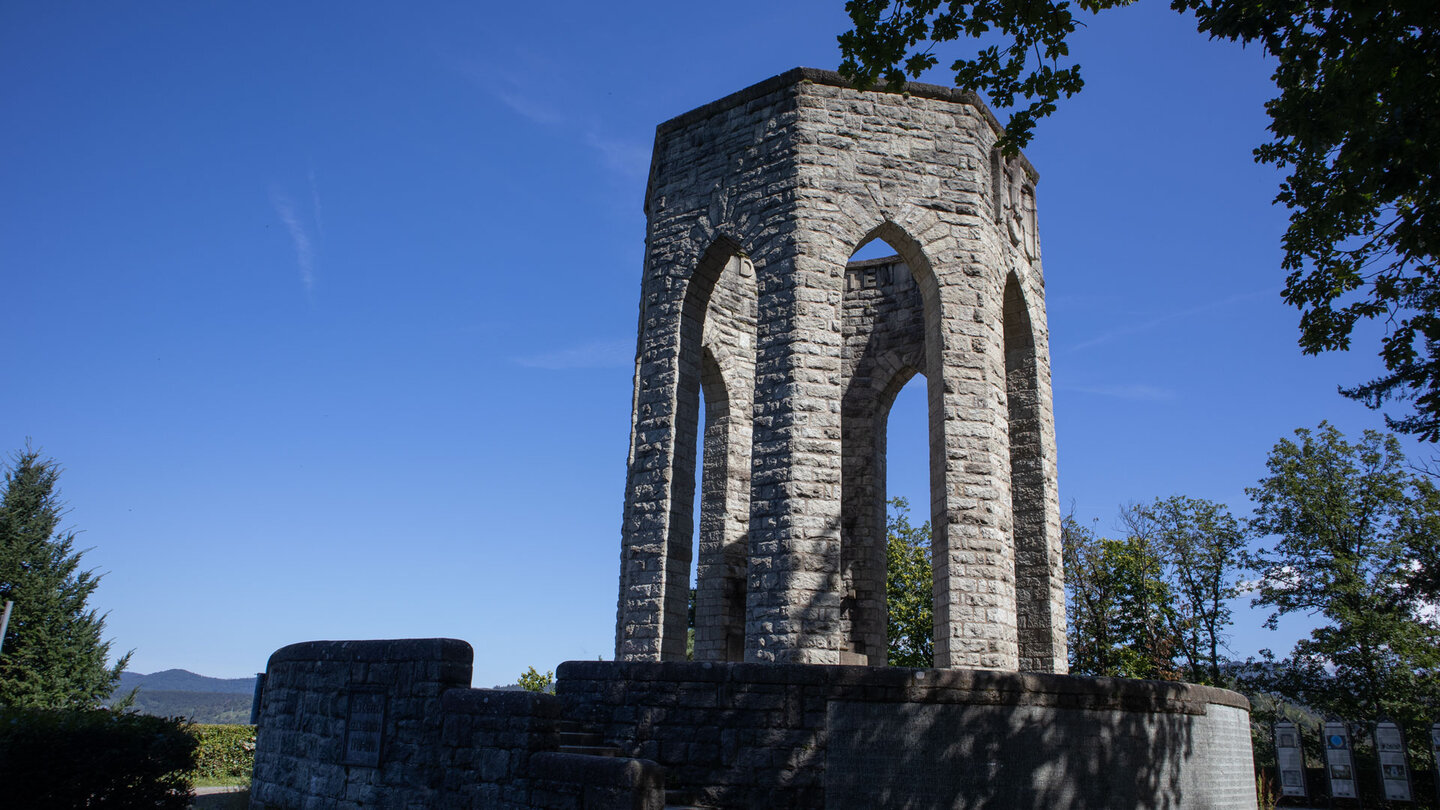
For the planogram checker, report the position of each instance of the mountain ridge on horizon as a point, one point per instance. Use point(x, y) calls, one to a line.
point(183, 680)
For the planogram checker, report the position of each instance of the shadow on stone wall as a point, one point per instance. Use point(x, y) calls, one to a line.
point(1003, 755)
point(756, 735)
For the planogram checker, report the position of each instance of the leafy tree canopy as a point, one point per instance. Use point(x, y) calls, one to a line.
point(1119, 608)
point(909, 589)
point(53, 655)
point(1155, 603)
point(1346, 524)
point(531, 680)
point(1356, 122)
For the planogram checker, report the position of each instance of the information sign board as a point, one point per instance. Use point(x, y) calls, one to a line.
point(1290, 759)
point(1394, 773)
point(1435, 754)
point(1339, 764)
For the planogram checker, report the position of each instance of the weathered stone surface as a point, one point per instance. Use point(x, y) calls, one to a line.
point(753, 735)
point(755, 204)
point(440, 743)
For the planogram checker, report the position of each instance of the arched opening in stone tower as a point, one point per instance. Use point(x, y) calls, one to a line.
point(710, 490)
point(886, 430)
point(1027, 482)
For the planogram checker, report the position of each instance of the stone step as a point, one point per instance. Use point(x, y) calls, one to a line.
point(590, 750)
point(583, 738)
point(681, 800)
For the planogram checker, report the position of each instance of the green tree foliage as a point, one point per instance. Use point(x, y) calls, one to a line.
point(1356, 122)
point(53, 655)
point(1117, 607)
point(1155, 603)
point(1346, 522)
point(223, 752)
point(909, 589)
point(532, 681)
point(1198, 545)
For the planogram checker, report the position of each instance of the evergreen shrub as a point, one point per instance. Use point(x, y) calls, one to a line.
point(225, 751)
point(94, 758)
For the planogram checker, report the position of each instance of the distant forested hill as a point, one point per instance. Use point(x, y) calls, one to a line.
point(179, 693)
point(180, 680)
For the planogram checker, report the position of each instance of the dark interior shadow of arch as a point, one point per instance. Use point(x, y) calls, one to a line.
point(723, 562)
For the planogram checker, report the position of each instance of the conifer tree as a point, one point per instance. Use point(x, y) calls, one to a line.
point(53, 655)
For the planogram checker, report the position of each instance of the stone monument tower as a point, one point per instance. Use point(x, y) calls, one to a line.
point(755, 205)
point(751, 301)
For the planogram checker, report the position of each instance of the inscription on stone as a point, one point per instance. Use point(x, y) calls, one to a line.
point(364, 728)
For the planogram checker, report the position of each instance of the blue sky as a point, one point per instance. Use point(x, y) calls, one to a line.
point(328, 309)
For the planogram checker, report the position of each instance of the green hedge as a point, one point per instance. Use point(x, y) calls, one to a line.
point(94, 758)
point(224, 751)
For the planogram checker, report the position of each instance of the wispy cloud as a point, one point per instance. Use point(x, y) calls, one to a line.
point(1146, 326)
point(315, 203)
point(537, 99)
point(304, 245)
point(626, 157)
point(522, 104)
point(1132, 391)
point(594, 354)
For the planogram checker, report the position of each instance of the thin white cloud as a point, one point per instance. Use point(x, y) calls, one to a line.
point(526, 107)
point(532, 97)
point(626, 157)
point(1132, 391)
point(1145, 326)
point(304, 245)
point(315, 203)
point(594, 354)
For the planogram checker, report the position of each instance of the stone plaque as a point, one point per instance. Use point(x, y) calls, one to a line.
point(364, 728)
point(1394, 773)
point(1339, 765)
point(1290, 759)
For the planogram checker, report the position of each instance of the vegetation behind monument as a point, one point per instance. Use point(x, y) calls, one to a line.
point(53, 655)
point(909, 585)
point(1348, 526)
point(1347, 535)
point(1356, 122)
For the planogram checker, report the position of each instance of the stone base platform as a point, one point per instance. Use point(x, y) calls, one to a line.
point(367, 724)
point(805, 736)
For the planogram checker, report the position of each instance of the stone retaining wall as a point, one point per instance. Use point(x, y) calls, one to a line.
point(799, 736)
point(382, 724)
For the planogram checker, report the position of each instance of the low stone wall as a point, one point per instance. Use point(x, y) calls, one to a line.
point(776, 735)
point(393, 724)
point(355, 723)
point(382, 724)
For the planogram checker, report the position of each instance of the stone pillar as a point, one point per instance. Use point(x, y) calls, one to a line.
point(794, 600)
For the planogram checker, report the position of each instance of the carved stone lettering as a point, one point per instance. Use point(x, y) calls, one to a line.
point(364, 728)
